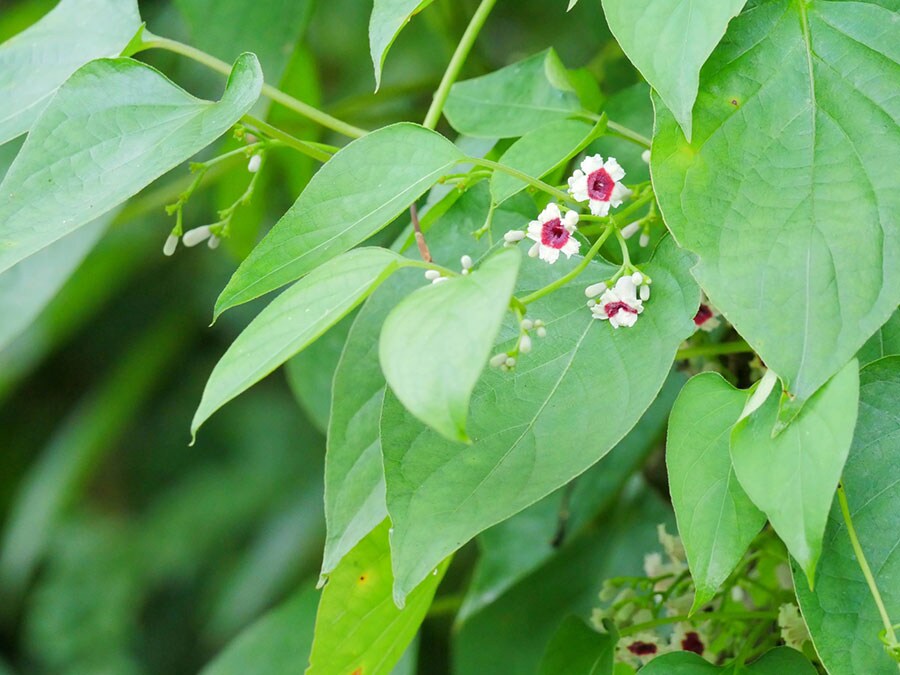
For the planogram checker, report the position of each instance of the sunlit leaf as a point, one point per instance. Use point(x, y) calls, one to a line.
point(388, 18)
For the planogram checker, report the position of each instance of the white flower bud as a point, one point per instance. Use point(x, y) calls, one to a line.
point(213, 242)
point(524, 344)
point(534, 250)
point(514, 236)
point(645, 292)
point(538, 323)
point(254, 163)
point(510, 362)
point(431, 275)
point(644, 240)
point(637, 278)
point(594, 290)
point(527, 324)
point(541, 332)
point(631, 229)
point(196, 236)
point(498, 360)
point(439, 280)
point(645, 155)
point(170, 245)
point(466, 262)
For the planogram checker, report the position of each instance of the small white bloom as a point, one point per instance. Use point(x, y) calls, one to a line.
point(498, 360)
point(645, 155)
point(213, 242)
point(552, 233)
point(466, 262)
point(640, 649)
point(513, 236)
point(170, 245)
point(793, 629)
point(196, 236)
point(254, 163)
point(620, 305)
point(594, 290)
point(631, 229)
point(644, 241)
point(431, 275)
point(688, 638)
point(599, 184)
point(524, 344)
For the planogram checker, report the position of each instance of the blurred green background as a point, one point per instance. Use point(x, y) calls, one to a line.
point(123, 550)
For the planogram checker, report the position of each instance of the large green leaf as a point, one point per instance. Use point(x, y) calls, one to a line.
point(716, 519)
point(440, 494)
point(540, 152)
point(293, 320)
point(885, 342)
point(668, 41)
point(358, 627)
point(276, 644)
point(778, 661)
point(354, 478)
point(792, 477)
point(34, 63)
point(113, 128)
point(788, 189)
point(513, 100)
point(436, 342)
point(388, 18)
point(356, 194)
point(577, 649)
point(842, 618)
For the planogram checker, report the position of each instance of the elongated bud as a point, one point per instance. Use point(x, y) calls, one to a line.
point(431, 275)
point(498, 360)
point(513, 236)
point(637, 278)
point(644, 240)
point(594, 290)
point(466, 262)
point(170, 245)
point(524, 344)
point(534, 250)
point(645, 292)
point(439, 280)
point(196, 236)
point(254, 163)
point(213, 242)
point(645, 155)
point(631, 229)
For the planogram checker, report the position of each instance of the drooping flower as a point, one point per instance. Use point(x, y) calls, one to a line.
point(620, 304)
point(599, 184)
point(552, 234)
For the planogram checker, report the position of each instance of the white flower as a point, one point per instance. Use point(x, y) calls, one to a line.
point(640, 648)
point(793, 629)
point(553, 234)
point(619, 304)
point(598, 183)
point(196, 236)
point(688, 638)
point(170, 245)
point(706, 317)
point(254, 163)
point(524, 344)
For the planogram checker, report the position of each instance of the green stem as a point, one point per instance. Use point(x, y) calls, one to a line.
point(456, 62)
point(738, 347)
point(317, 151)
point(864, 566)
point(636, 205)
point(299, 107)
point(578, 269)
point(705, 616)
point(524, 177)
point(619, 130)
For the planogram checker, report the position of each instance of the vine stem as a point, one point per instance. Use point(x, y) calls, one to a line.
point(318, 151)
point(433, 115)
point(524, 177)
point(737, 347)
point(619, 130)
point(706, 616)
point(864, 566)
point(288, 101)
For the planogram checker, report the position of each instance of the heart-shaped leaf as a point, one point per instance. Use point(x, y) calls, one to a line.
point(123, 124)
point(716, 519)
point(792, 477)
point(788, 189)
point(34, 63)
point(357, 193)
point(440, 494)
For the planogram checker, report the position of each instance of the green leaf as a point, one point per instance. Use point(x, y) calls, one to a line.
point(632, 108)
point(788, 191)
point(388, 18)
point(540, 152)
point(293, 320)
point(778, 661)
point(356, 194)
point(885, 342)
point(276, 644)
point(577, 649)
point(354, 478)
point(34, 63)
point(716, 519)
point(841, 614)
point(113, 128)
point(440, 494)
point(436, 342)
point(513, 100)
point(358, 628)
point(792, 477)
point(669, 41)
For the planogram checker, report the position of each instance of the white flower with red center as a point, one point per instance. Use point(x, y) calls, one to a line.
point(599, 183)
point(619, 304)
point(552, 234)
point(707, 317)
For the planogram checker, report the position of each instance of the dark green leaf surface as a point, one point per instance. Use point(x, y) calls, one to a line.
point(668, 41)
point(440, 494)
point(293, 320)
point(388, 18)
point(841, 614)
point(792, 477)
point(788, 190)
point(34, 63)
point(358, 627)
point(778, 661)
point(354, 195)
point(513, 100)
point(885, 342)
point(112, 129)
point(716, 519)
point(578, 649)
